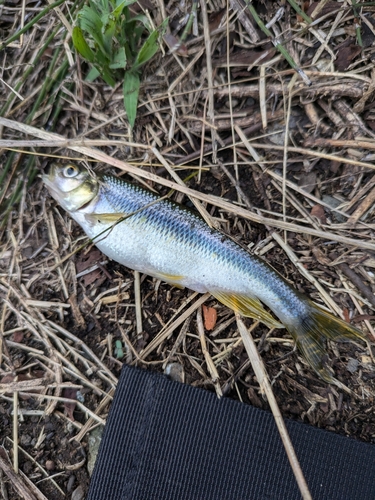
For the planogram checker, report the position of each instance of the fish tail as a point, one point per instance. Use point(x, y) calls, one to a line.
point(311, 332)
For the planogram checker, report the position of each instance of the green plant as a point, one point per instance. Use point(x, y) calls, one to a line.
point(109, 37)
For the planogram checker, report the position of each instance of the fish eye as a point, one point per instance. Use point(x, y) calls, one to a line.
point(70, 171)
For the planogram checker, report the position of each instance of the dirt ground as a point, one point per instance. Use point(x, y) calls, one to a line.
point(282, 167)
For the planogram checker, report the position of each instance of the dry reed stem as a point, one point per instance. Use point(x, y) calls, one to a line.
point(138, 302)
point(294, 259)
point(15, 431)
point(210, 83)
point(266, 388)
point(213, 199)
point(37, 464)
point(88, 426)
point(165, 333)
point(19, 482)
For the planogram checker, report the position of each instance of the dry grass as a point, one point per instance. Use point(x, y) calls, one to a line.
point(283, 167)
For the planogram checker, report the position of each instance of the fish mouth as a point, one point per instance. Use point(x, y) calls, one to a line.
point(47, 175)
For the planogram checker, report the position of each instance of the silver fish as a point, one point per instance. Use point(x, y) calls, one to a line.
point(138, 229)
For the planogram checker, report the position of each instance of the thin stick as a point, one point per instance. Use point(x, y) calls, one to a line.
point(30, 24)
point(294, 259)
point(90, 422)
point(15, 431)
point(265, 386)
point(210, 82)
point(19, 483)
point(40, 467)
point(165, 334)
point(138, 302)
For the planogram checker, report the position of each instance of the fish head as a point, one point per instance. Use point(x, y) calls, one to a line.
point(71, 186)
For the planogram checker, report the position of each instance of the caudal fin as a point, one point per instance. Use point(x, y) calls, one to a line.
point(311, 332)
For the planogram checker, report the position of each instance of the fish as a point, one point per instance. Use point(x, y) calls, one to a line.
point(156, 236)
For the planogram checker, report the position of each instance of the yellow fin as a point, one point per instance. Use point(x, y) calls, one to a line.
point(172, 279)
point(310, 333)
point(247, 306)
point(103, 218)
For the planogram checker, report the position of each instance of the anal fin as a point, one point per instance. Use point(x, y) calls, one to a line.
point(172, 279)
point(247, 306)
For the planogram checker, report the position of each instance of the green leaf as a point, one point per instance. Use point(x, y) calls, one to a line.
point(109, 28)
point(150, 47)
point(131, 90)
point(138, 32)
point(90, 20)
point(103, 6)
point(92, 24)
point(81, 45)
point(142, 19)
point(106, 75)
point(120, 7)
point(148, 50)
point(92, 75)
point(119, 59)
point(119, 352)
point(122, 2)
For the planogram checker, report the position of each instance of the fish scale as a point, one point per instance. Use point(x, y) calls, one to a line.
point(173, 243)
point(190, 235)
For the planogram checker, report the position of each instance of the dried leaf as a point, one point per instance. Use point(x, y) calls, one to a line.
point(245, 58)
point(175, 45)
point(327, 9)
point(320, 256)
point(308, 182)
point(346, 52)
point(69, 393)
point(318, 212)
point(346, 315)
point(210, 317)
point(18, 337)
point(215, 19)
point(85, 262)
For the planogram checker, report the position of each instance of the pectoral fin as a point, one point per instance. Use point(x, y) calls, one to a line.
point(247, 306)
point(103, 218)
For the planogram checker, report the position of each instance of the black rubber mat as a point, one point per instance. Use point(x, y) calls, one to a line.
point(164, 440)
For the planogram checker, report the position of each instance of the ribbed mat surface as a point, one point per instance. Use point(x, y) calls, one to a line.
point(169, 441)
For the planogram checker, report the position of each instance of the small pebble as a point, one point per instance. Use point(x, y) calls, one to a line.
point(366, 360)
point(71, 481)
point(175, 371)
point(78, 493)
point(352, 365)
point(80, 397)
point(50, 465)
point(334, 203)
point(27, 467)
point(25, 439)
point(95, 438)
